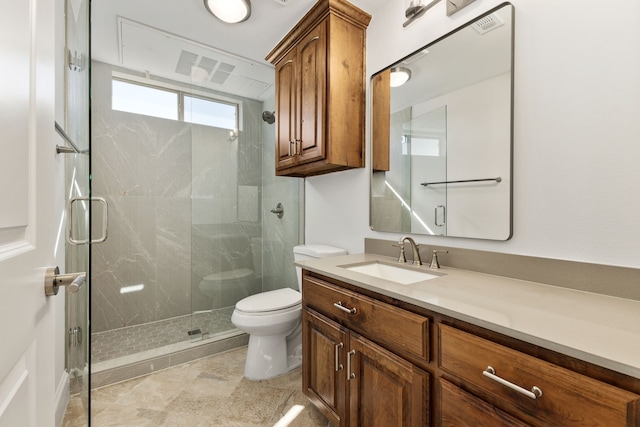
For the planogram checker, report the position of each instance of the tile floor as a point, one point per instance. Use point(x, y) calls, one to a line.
point(138, 338)
point(206, 392)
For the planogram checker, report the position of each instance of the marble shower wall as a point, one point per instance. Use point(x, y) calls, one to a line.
point(280, 235)
point(184, 202)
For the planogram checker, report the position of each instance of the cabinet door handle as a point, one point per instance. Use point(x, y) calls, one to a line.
point(535, 392)
point(298, 147)
point(290, 143)
point(339, 305)
point(350, 375)
point(338, 365)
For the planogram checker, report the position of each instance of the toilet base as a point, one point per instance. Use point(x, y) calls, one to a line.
point(274, 355)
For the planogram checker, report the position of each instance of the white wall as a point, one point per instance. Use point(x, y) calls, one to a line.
point(576, 140)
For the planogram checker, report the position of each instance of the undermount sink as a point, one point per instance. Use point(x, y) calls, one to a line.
point(397, 274)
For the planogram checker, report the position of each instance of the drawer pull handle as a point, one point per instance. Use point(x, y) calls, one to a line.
point(350, 375)
point(343, 308)
point(338, 365)
point(535, 392)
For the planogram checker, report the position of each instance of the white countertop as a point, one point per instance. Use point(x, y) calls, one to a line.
point(599, 329)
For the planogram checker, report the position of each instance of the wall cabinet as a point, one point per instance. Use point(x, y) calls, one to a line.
point(320, 91)
point(369, 360)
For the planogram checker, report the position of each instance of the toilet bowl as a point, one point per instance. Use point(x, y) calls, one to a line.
point(273, 321)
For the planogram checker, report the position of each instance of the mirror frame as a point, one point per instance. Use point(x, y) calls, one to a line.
point(380, 124)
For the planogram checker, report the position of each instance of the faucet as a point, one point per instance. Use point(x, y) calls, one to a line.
point(414, 246)
point(434, 259)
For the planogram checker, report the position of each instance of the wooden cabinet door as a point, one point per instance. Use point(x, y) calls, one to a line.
point(312, 81)
point(286, 110)
point(384, 390)
point(323, 367)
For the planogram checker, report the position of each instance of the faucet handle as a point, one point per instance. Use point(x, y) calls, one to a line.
point(434, 259)
point(401, 257)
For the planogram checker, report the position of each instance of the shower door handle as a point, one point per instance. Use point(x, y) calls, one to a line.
point(444, 215)
point(105, 220)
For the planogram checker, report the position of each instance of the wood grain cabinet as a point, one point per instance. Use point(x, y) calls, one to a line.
point(370, 360)
point(353, 380)
point(320, 91)
point(539, 392)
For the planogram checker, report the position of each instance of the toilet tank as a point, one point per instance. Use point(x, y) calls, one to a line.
point(302, 252)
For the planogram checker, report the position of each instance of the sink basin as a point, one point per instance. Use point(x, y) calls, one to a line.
point(398, 274)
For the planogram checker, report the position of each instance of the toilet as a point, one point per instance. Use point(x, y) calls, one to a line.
point(273, 321)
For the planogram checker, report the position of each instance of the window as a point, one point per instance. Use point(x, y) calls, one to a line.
point(211, 113)
point(166, 103)
point(134, 98)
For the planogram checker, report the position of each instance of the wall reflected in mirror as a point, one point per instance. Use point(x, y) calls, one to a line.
point(442, 141)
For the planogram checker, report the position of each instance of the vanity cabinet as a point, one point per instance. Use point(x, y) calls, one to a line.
point(353, 380)
point(373, 360)
point(320, 91)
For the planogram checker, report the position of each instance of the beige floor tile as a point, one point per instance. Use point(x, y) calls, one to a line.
point(290, 381)
point(112, 393)
point(178, 374)
point(124, 416)
point(75, 414)
point(206, 392)
point(307, 414)
point(152, 393)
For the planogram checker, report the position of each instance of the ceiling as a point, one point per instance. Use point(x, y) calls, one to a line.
point(166, 37)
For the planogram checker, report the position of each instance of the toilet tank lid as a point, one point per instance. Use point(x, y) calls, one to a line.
point(270, 301)
point(319, 251)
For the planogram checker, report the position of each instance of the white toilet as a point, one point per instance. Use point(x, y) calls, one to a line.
point(273, 321)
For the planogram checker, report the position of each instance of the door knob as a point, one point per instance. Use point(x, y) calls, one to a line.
point(53, 280)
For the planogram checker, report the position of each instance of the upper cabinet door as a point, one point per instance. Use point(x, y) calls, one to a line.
point(285, 105)
point(312, 89)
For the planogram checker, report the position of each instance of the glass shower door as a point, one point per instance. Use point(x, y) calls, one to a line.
point(76, 127)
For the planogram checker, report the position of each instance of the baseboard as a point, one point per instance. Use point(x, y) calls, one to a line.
point(62, 398)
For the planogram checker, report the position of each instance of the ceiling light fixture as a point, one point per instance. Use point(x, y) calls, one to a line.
point(399, 76)
point(229, 11)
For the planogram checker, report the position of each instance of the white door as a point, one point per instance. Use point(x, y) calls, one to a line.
point(29, 201)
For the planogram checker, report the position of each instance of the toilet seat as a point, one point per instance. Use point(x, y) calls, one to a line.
point(270, 302)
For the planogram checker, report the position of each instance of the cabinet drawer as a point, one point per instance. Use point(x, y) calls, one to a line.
point(459, 408)
point(567, 399)
point(399, 330)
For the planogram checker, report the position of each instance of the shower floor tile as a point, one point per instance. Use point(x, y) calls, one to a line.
point(135, 339)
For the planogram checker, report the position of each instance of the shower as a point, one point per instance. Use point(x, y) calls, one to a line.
point(190, 228)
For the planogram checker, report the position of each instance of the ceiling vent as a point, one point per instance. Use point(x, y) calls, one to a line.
point(162, 54)
point(488, 23)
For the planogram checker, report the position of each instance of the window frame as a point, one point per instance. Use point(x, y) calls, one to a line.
point(181, 93)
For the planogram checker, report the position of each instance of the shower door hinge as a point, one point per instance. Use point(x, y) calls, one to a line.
point(76, 60)
point(75, 336)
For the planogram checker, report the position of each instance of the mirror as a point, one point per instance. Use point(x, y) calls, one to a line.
point(442, 141)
